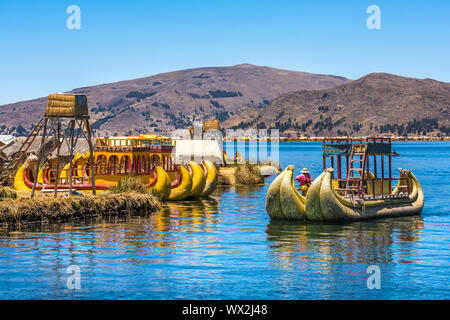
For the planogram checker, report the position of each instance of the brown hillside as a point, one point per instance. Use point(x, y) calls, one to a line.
point(376, 103)
point(163, 102)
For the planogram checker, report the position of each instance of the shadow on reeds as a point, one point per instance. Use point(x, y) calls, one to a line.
point(8, 193)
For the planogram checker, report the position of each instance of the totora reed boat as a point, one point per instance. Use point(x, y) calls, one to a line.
point(150, 158)
point(365, 192)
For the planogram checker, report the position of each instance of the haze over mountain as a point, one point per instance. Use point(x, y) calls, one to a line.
point(164, 102)
point(377, 103)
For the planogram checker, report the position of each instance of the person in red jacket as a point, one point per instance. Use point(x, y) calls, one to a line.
point(305, 180)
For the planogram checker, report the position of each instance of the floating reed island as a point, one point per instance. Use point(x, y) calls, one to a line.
point(17, 210)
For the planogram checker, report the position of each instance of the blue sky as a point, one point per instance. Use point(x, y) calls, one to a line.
point(121, 40)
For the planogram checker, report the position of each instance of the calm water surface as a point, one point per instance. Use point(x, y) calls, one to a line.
point(227, 247)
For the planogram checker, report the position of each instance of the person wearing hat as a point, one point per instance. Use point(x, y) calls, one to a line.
point(305, 180)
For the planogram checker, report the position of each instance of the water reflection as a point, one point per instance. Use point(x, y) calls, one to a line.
point(129, 236)
point(240, 190)
point(189, 216)
point(367, 242)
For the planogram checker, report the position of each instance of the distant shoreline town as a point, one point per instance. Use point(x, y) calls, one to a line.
point(406, 139)
point(320, 139)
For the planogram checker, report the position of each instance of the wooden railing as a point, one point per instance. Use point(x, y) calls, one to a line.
point(65, 180)
point(404, 186)
point(131, 143)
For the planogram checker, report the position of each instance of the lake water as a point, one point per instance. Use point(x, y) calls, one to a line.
point(227, 247)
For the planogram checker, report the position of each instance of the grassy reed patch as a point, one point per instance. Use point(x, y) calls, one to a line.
point(248, 174)
point(131, 184)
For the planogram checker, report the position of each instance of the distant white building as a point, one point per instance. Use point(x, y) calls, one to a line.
point(6, 139)
point(197, 150)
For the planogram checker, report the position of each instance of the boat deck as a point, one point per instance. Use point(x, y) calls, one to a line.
point(377, 197)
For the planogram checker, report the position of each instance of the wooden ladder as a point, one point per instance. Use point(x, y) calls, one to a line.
point(21, 154)
point(354, 183)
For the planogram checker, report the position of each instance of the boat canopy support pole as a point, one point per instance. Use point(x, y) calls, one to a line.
point(339, 166)
point(390, 174)
point(332, 165)
point(347, 163)
point(375, 166)
point(91, 152)
point(382, 174)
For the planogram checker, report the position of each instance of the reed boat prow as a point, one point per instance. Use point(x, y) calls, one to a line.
point(212, 178)
point(283, 200)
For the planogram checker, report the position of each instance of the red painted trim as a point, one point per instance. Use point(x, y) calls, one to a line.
point(154, 180)
point(205, 170)
point(86, 186)
point(46, 181)
point(85, 175)
point(177, 182)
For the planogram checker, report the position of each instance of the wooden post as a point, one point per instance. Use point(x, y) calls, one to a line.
point(71, 147)
point(39, 158)
point(324, 162)
point(390, 174)
point(373, 188)
point(58, 146)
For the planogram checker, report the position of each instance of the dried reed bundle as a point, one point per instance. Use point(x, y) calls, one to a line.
point(8, 193)
point(68, 105)
point(211, 125)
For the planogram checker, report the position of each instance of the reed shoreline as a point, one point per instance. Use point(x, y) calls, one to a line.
point(25, 210)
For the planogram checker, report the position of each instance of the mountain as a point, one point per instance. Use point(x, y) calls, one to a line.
point(167, 101)
point(377, 103)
